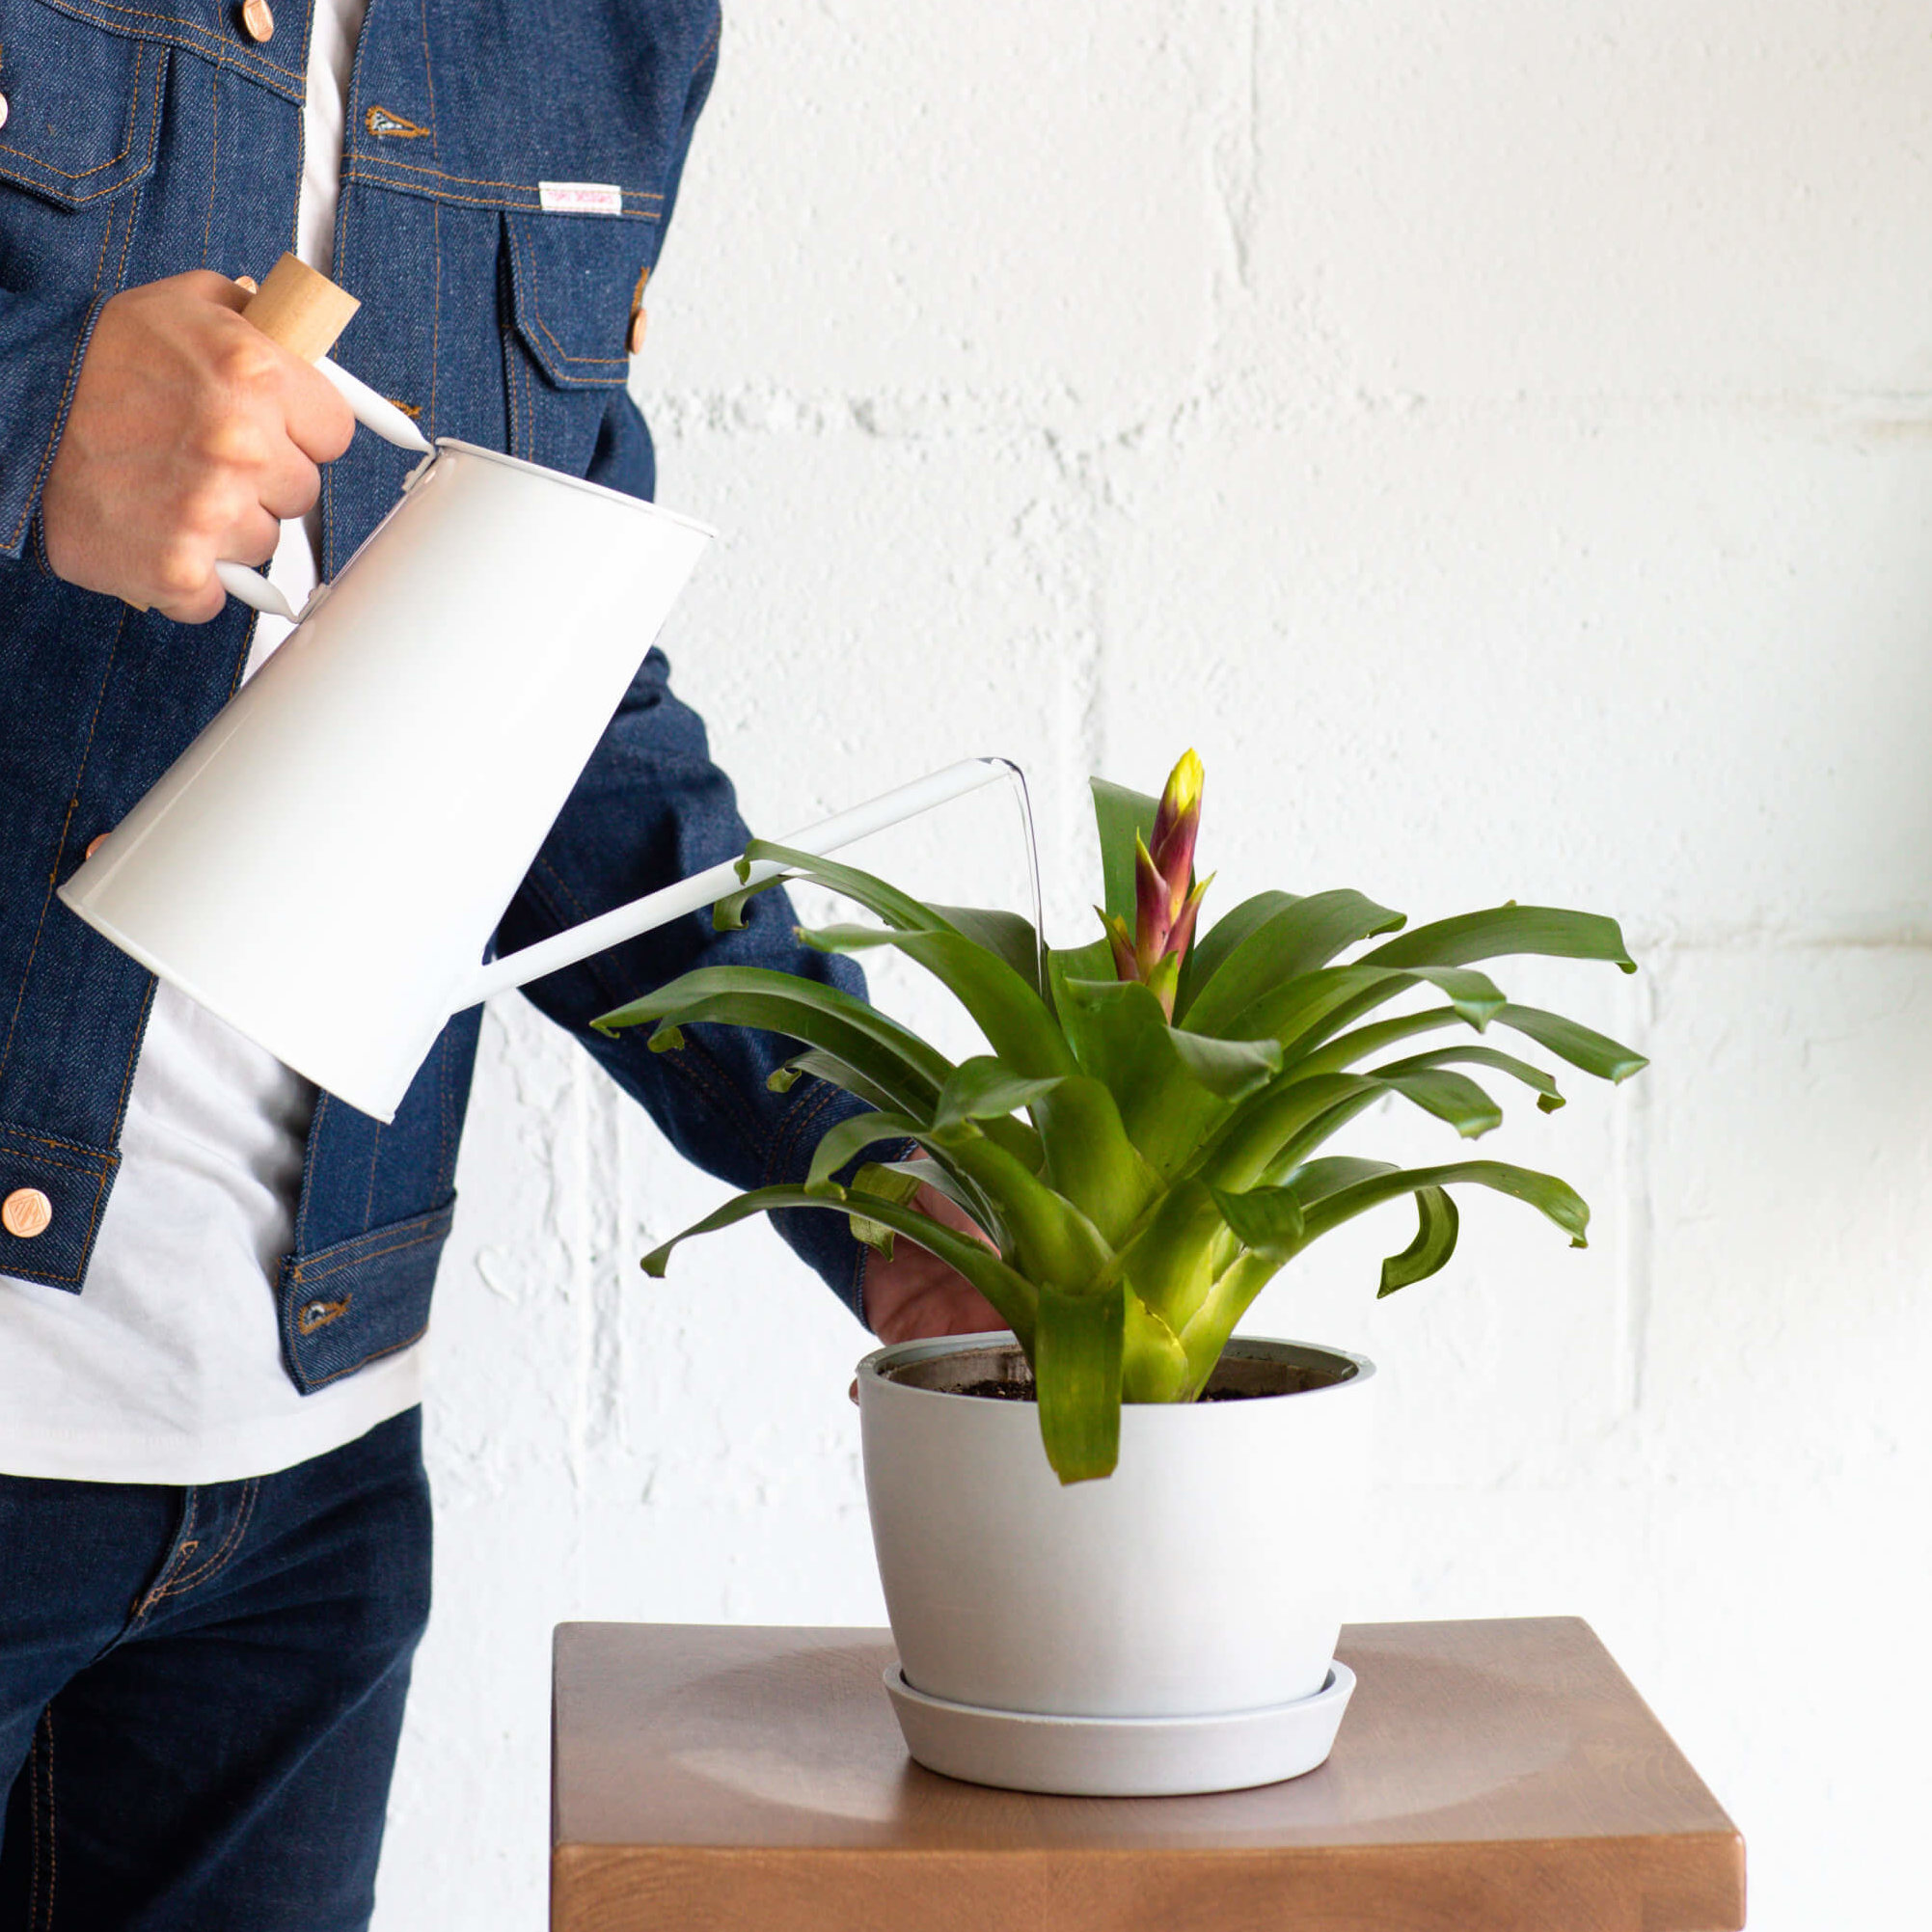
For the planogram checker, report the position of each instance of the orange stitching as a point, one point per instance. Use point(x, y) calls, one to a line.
point(373, 1234)
point(307, 1168)
point(436, 311)
point(60, 847)
point(189, 1579)
point(375, 1152)
point(66, 1166)
point(183, 1537)
point(127, 1071)
point(397, 129)
point(791, 1131)
point(226, 51)
point(53, 1824)
point(478, 181)
point(48, 1140)
point(428, 77)
point(126, 135)
point(214, 159)
point(317, 1315)
point(374, 1355)
point(536, 313)
point(34, 1789)
point(303, 1276)
point(469, 200)
point(46, 456)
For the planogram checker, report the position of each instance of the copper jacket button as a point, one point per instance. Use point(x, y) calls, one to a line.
point(26, 1213)
point(259, 21)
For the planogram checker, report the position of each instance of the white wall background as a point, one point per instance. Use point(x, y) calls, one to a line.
point(1499, 435)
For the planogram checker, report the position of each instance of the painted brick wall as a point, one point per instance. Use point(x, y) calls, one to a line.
point(1497, 435)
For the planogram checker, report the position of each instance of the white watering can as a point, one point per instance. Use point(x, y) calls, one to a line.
point(324, 865)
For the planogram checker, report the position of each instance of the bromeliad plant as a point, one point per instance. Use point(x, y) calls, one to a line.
point(1143, 1141)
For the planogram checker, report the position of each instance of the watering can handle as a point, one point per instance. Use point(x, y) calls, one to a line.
point(305, 313)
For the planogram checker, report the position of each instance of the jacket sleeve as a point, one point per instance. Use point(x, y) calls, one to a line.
point(650, 808)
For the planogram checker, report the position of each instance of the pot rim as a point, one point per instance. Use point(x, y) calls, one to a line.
point(873, 1368)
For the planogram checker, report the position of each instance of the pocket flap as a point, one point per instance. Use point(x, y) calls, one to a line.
point(83, 107)
point(345, 1305)
point(575, 282)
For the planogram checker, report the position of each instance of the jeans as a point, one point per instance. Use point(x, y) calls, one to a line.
point(200, 1692)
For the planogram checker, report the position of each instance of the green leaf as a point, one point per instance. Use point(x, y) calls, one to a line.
point(982, 1089)
point(1009, 1292)
point(1548, 930)
point(1554, 1198)
point(829, 1068)
point(1207, 952)
point(1307, 1011)
point(1321, 1180)
point(844, 1139)
point(1281, 1124)
point(1153, 1364)
point(1089, 1158)
point(894, 1060)
point(1449, 1095)
point(1077, 1373)
point(1265, 1219)
point(1594, 1052)
point(1344, 1049)
point(888, 1183)
point(1294, 941)
point(923, 1171)
point(1433, 1245)
point(1016, 1021)
point(1006, 935)
point(864, 888)
point(1548, 1099)
point(1122, 817)
point(728, 915)
point(1231, 1069)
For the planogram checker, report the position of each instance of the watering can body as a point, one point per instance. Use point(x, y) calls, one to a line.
point(324, 866)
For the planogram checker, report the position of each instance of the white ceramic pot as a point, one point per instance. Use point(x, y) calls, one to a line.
point(1207, 1575)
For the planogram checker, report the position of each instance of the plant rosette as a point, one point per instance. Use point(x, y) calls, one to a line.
point(1143, 1146)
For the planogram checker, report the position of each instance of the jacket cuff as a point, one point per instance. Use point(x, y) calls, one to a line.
point(822, 1238)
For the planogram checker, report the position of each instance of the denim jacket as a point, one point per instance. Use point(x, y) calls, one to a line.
point(144, 137)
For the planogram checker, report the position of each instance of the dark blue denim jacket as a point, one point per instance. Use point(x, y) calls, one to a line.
point(147, 137)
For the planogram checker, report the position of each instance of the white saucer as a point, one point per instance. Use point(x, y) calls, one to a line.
point(1121, 1757)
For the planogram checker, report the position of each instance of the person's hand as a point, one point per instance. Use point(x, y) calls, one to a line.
point(916, 1295)
point(191, 436)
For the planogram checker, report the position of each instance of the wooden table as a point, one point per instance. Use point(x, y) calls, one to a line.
point(1488, 1776)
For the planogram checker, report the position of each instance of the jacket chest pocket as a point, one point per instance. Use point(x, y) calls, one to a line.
point(83, 106)
point(572, 287)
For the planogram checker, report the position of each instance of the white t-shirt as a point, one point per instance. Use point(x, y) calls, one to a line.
point(168, 1367)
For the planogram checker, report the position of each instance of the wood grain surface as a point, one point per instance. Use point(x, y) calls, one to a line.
point(1499, 1776)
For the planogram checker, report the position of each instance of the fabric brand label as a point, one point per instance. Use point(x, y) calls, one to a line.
point(580, 198)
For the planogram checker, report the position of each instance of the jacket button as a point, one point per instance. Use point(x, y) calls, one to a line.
point(95, 844)
point(637, 332)
point(257, 20)
point(3, 110)
point(26, 1213)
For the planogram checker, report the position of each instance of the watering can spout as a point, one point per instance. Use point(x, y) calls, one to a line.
point(324, 864)
point(706, 889)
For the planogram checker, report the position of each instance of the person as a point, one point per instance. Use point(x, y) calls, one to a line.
point(214, 1526)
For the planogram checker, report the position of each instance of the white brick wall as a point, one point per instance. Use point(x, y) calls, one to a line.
point(1497, 434)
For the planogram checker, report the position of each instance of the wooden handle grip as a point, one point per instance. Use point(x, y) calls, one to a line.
point(301, 310)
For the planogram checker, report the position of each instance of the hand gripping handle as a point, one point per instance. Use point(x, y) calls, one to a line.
point(305, 313)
